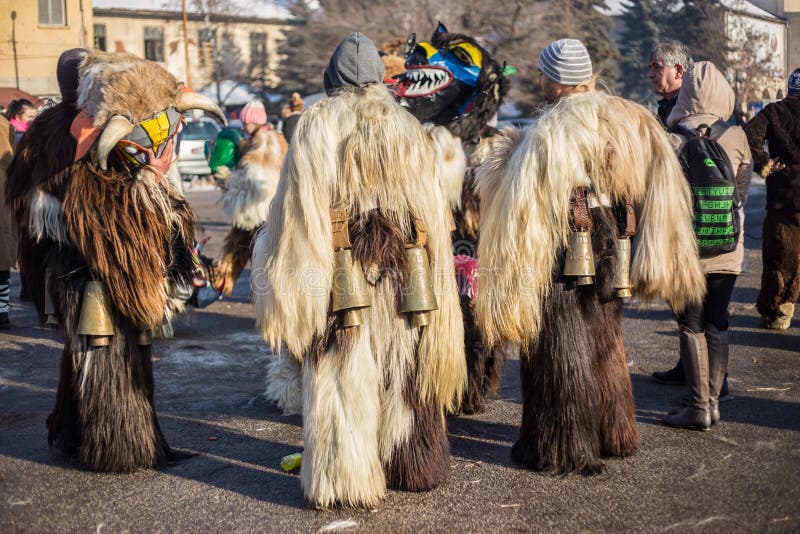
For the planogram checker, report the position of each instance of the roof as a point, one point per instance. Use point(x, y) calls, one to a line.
point(177, 15)
point(7, 94)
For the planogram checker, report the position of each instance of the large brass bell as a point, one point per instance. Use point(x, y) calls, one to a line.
point(49, 306)
point(96, 321)
point(580, 258)
point(349, 292)
point(418, 298)
point(622, 278)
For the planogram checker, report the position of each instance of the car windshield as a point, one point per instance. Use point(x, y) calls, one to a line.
point(195, 130)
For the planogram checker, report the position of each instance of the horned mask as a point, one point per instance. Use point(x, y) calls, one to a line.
point(131, 110)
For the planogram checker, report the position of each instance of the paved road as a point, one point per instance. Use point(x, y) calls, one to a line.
point(744, 476)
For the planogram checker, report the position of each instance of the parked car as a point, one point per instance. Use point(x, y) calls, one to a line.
point(191, 146)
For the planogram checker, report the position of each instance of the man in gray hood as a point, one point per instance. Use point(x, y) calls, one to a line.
point(354, 63)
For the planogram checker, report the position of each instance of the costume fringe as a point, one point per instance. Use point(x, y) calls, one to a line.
point(617, 149)
point(252, 185)
point(123, 227)
point(358, 149)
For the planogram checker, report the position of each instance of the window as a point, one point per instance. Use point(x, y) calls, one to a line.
point(51, 13)
point(206, 43)
point(100, 37)
point(258, 48)
point(153, 44)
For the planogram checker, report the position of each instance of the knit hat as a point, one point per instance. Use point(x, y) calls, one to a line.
point(253, 113)
point(566, 61)
point(67, 73)
point(355, 62)
point(794, 83)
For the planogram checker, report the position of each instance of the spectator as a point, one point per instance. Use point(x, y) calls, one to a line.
point(565, 68)
point(778, 124)
point(290, 122)
point(669, 62)
point(8, 234)
point(706, 98)
point(20, 113)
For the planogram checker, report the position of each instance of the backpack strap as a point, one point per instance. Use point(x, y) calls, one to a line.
point(717, 129)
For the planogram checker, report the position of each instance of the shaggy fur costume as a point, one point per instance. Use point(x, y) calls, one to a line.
point(126, 227)
point(246, 200)
point(577, 399)
point(464, 137)
point(373, 395)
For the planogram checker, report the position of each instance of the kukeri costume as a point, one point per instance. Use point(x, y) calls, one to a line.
point(353, 273)
point(246, 199)
point(453, 82)
point(553, 256)
point(101, 229)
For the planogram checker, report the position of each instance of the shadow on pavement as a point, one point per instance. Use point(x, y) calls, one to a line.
point(654, 400)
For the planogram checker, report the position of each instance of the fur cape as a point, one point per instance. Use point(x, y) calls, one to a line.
point(617, 149)
point(385, 162)
point(373, 395)
point(252, 185)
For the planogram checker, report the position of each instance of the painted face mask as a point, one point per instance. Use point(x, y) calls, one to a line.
point(449, 77)
point(440, 77)
point(151, 136)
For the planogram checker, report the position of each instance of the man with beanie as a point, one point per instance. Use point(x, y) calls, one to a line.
point(357, 213)
point(669, 62)
point(565, 68)
point(778, 124)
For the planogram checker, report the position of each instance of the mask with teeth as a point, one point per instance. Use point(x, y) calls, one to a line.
point(452, 81)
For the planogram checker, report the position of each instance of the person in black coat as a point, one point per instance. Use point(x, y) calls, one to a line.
point(778, 124)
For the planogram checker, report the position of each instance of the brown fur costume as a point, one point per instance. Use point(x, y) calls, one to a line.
point(126, 227)
point(577, 395)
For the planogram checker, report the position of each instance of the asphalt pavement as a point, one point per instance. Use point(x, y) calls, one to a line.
point(743, 476)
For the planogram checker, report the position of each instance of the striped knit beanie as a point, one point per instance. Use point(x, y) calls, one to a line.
point(566, 61)
point(794, 83)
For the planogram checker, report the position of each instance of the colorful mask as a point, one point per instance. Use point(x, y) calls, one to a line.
point(452, 79)
point(150, 136)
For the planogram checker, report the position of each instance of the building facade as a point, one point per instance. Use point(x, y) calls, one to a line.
point(790, 11)
point(33, 35)
point(220, 47)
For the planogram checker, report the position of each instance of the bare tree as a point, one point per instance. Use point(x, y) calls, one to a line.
point(513, 31)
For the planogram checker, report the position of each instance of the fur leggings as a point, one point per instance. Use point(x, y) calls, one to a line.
point(576, 390)
point(780, 278)
point(364, 427)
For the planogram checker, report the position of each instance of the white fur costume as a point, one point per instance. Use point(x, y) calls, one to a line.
point(373, 395)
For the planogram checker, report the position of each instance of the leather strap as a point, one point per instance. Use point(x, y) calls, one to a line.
point(340, 220)
point(421, 233)
point(579, 208)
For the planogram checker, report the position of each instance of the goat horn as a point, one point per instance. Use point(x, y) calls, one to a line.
point(187, 100)
point(117, 128)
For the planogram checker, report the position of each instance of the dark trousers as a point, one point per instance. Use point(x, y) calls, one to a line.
point(780, 278)
point(714, 309)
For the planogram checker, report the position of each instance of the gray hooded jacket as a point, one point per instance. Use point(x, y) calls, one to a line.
point(354, 63)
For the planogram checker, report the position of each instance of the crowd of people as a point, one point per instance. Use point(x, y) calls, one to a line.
point(352, 235)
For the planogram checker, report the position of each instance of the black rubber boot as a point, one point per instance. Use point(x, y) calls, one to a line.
point(673, 377)
point(694, 354)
